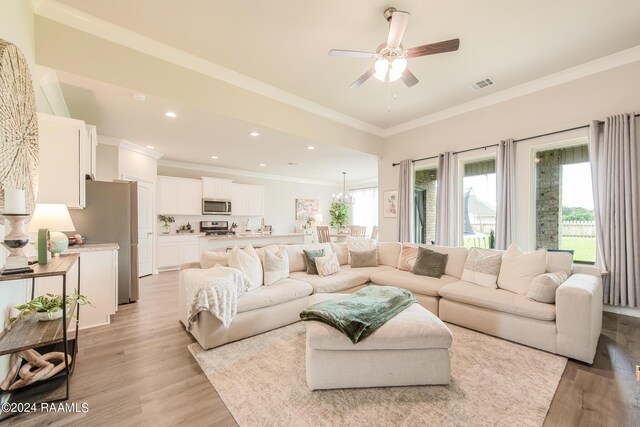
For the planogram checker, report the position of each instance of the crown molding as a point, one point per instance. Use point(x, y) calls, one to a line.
point(128, 145)
point(240, 172)
point(593, 67)
point(71, 17)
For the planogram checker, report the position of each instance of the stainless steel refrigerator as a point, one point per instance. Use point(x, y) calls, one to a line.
point(111, 216)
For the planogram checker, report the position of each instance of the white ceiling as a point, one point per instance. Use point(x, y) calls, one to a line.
point(194, 136)
point(284, 43)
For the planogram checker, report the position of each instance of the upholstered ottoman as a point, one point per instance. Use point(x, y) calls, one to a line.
point(410, 349)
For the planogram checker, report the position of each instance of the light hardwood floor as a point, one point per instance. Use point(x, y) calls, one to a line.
point(138, 371)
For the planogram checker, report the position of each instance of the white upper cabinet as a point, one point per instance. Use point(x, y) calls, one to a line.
point(66, 157)
point(92, 145)
point(214, 188)
point(247, 200)
point(179, 196)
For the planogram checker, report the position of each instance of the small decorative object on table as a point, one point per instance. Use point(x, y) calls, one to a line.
point(166, 220)
point(51, 217)
point(49, 306)
point(15, 212)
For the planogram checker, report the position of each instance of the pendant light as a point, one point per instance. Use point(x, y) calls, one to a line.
point(343, 197)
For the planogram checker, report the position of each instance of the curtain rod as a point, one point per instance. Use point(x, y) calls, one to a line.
point(484, 147)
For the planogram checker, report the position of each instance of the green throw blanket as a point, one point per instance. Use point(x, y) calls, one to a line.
point(361, 313)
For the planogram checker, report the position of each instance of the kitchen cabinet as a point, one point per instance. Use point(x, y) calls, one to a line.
point(179, 196)
point(247, 200)
point(91, 147)
point(214, 188)
point(66, 157)
point(176, 250)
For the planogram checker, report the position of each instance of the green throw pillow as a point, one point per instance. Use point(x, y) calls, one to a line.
point(430, 263)
point(310, 260)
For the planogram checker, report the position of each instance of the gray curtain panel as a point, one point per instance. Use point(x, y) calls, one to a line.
point(505, 195)
point(405, 201)
point(613, 155)
point(444, 220)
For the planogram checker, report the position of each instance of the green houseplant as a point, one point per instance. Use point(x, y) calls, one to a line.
point(492, 240)
point(339, 214)
point(166, 220)
point(49, 306)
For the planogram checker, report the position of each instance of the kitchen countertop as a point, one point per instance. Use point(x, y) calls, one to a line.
point(92, 247)
point(251, 236)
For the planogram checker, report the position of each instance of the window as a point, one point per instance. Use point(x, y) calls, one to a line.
point(365, 207)
point(424, 191)
point(564, 202)
point(479, 203)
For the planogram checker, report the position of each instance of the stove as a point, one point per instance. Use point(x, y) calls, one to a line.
point(215, 228)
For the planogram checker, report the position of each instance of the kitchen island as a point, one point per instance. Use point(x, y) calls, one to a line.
point(224, 243)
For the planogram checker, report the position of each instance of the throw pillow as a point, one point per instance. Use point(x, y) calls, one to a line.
point(276, 266)
point(327, 265)
point(429, 263)
point(360, 244)
point(482, 268)
point(210, 259)
point(342, 251)
point(388, 253)
point(518, 269)
point(543, 287)
point(407, 258)
point(248, 262)
point(559, 261)
point(309, 260)
point(364, 258)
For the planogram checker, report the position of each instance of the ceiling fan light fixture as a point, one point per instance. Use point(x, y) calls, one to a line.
point(398, 66)
point(382, 66)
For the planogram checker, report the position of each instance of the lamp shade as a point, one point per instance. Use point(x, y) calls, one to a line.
point(55, 217)
point(318, 218)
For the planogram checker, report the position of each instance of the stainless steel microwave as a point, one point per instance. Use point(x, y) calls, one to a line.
point(216, 207)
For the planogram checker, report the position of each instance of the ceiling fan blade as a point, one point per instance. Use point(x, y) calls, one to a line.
point(351, 53)
point(433, 48)
point(399, 21)
point(409, 78)
point(363, 78)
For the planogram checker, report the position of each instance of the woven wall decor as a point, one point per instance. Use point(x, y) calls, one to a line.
point(18, 126)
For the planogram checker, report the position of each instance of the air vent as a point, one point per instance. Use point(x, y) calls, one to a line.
point(481, 84)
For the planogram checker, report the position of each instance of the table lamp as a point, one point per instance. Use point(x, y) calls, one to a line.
point(15, 213)
point(51, 217)
point(317, 218)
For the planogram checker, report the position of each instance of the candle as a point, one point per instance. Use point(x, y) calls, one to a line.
point(14, 202)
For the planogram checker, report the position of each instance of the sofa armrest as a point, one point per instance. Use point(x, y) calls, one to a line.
point(587, 269)
point(195, 264)
point(579, 316)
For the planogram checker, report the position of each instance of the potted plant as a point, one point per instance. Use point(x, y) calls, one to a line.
point(339, 214)
point(166, 220)
point(492, 240)
point(49, 306)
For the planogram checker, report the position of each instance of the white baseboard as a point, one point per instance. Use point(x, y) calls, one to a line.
point(627, 311)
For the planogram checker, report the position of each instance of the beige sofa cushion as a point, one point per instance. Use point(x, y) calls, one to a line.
point(413, 328)
point(498, 300)
point(296, 256)
point(280, 292)
point(342, 252)
point(367, 271)
point(519, 268)
point(343, 280)
point(423, 285)
point(388, 253)
point(559, 261)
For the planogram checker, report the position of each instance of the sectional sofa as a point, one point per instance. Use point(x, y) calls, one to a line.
point(570, 327)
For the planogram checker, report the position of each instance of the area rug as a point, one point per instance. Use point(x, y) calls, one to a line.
point(494, 383)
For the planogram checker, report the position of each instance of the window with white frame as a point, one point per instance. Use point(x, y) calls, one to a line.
point(364, 211)
point(479, 203)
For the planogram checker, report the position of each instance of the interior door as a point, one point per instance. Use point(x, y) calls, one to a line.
point(145, 228)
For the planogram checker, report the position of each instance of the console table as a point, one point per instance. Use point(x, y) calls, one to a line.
point(27, 333)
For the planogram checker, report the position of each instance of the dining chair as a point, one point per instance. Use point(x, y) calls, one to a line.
point(358, 231)
point(374, 232)
point(323, 234)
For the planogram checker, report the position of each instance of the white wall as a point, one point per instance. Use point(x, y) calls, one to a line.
point(564, 106)
point(279, 197)
point(16, 26)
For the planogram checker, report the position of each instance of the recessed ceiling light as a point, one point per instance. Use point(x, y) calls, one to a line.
point(254, 134)
point(214, 157)
point(139, 97)
point(262, 164)
point(311, 147)
point(171, 114)
point(151, 147)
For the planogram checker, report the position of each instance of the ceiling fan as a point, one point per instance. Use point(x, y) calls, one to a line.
point(391, 57)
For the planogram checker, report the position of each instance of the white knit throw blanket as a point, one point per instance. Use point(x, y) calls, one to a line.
point(215, 290)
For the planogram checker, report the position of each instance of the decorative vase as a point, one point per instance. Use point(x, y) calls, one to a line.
point(58, 242)
point(165, 229)
point(43, 316)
